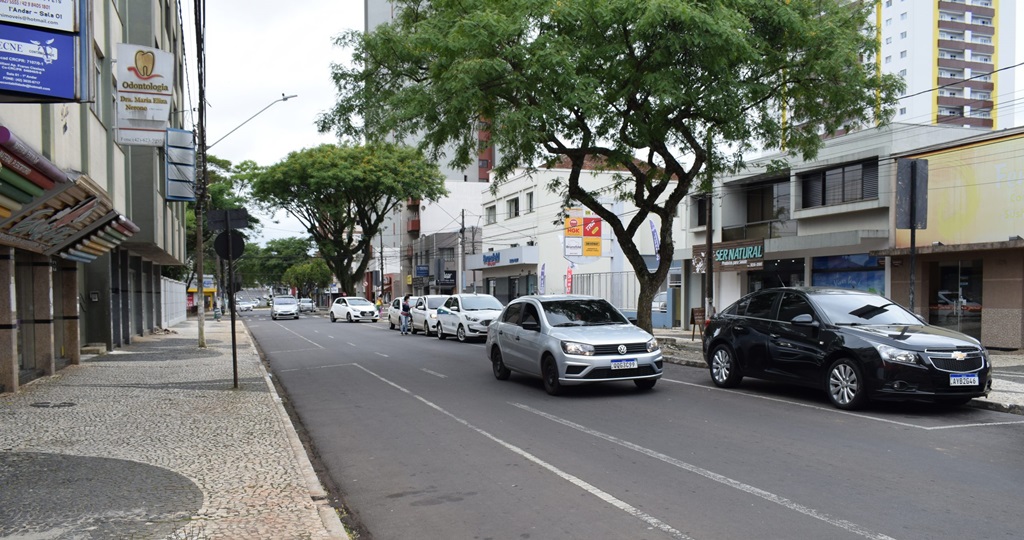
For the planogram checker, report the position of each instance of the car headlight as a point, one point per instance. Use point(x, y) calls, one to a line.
point(582, 349)
point(892, 354)
point(471, 318)
point(433, 315)
point(652, 345)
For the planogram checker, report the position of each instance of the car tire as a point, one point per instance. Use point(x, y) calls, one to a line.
point(440, 331)
point(348, 317)
point(426, 328)
point(460, 334)
point(391, 324)
point(645, 384)
point(549, 374)
point(412, 328)
point(845, 385)
point(501, 372)
point(725, 372)
point(273, 317)
point(333, 318)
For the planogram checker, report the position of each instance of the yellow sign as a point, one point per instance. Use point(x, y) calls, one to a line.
point(573, 226)
point(592, 247)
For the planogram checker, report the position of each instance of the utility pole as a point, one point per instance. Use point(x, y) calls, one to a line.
point(381, 256)
point(201, 184)
point(459, 286)
point(709, 257)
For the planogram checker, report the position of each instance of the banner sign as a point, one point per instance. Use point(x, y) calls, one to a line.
point(743, 255)
point(52, 15)
point(146, 80)
point(180, 163)
point(39, 62)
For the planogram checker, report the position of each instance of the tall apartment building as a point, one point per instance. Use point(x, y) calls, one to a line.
point(86, 221)
point(957, 58)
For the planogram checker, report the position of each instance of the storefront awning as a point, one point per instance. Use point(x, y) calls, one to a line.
point(52, 212)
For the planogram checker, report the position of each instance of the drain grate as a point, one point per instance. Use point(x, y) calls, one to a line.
point(52, 405)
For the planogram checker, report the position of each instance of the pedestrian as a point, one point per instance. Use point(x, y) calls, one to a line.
point(406, 313)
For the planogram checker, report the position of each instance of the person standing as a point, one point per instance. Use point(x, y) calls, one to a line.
point(406, 313)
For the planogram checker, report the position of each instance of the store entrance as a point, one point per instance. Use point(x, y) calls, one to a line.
point(955, 296)
point(778, 273)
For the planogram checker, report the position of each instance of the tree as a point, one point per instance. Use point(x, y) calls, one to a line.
point(309, 276)
point(342, 194)
point(664, 89)
point(267, 266)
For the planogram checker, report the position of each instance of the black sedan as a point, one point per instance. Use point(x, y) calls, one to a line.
point(855, 345)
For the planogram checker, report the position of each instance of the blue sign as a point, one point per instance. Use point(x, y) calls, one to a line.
point(422, 270)
point(492, 259)
point(37, 62)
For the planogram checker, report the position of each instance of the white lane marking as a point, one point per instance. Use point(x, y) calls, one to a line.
point(350, 344)
point(768, 496)
point(434, 373)
point(312, 368)
point(833, 410)
point(300, 335)
point(593, 490)
point(382, 354)
point(294, 350)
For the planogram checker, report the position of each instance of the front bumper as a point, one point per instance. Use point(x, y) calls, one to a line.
point(576, 370)
point(918, 382)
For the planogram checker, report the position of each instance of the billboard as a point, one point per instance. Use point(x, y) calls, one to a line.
point(38, 62)
point(145, 78)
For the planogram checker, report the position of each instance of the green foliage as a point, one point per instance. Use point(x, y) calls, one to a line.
point(661, 89)
point(342, 194)
point(267, 266)
point(309, 276)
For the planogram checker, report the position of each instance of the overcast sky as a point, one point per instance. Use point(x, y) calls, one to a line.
point(257, 50)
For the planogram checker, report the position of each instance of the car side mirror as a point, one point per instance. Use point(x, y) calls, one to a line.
point(805, 319)
point(533, 326)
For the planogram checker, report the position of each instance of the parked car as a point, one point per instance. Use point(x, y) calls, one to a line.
point(570, 340)
point(306, 304)
point(660, 303)
point(354, 309)
point(284, 306)
point(395, 311)
point(244, 305)
point(424, 313)
point(466, 316)
point(857, 346)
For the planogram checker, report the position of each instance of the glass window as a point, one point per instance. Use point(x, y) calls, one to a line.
point(529, 202)
point(511, 314)
point(530, 314)
point(855, 182)
point(513, 207)
point(761, 305)
point(792, 305)
point(490, 215)
point(589, 312)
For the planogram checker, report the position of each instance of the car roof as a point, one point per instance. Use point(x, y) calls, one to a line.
point(820, 290)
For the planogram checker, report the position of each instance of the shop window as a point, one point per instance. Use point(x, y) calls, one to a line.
point(845, 184)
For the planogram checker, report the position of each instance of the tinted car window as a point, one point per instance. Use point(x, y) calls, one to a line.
point(761, 305)
point(472, 303)
point(863, 309)
point(792, 305)
point(511, 314)
point(530, 315)
point(434, 303)
point(582, 313)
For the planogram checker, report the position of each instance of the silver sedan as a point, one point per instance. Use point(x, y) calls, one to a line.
point(570, 340)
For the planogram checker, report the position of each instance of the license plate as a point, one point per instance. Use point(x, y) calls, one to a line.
point(963, 379)
point(627, 364)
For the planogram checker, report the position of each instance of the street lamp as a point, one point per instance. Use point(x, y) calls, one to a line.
point(201, 195)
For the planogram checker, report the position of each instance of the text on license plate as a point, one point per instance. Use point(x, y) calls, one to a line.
point(963, 379)
point(627, 364)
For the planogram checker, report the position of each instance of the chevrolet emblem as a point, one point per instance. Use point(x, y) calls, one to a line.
point(957, 355)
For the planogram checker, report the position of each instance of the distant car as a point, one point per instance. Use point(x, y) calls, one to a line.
point(466, 316)
point(306, 304)
point(660, 303)
point(395, 311)
point(424, 313)
point(854, 345)
point(571, 340)
point(354, 309)
point(244, 305)
point(284, 306)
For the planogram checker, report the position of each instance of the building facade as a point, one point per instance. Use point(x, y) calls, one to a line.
point(833, 222)
point(955, 57)
point(86, 225)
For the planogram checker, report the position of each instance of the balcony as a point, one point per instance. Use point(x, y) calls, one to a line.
point(759, 231)
point(413, 204)
point(414, 226)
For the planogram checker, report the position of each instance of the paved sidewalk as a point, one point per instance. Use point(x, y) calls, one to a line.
point(153, 441)
point(1007, 393)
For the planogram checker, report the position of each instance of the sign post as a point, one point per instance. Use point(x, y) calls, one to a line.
point(230, 245)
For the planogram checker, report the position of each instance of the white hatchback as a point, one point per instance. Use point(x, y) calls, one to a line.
point(424, 313)
point(466, 316)
point(353, 309)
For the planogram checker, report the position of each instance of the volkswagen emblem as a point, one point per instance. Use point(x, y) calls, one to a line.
point(622, 349)
point(959, 355)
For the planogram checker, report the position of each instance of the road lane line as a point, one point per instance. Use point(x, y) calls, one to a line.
point(768, 496)
point(434, 373)
point(833, 410)
point(593, 490)
point(311, 368)
point(301, 336)
point(382, 354)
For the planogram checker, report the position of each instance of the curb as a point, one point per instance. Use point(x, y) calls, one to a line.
point(977, 403)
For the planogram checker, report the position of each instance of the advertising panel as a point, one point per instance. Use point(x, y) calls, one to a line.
point(39, 62)
point(52, 15)
point(144, 96)
point(582, 241)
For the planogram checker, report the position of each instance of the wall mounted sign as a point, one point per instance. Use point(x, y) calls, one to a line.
point(37, 62)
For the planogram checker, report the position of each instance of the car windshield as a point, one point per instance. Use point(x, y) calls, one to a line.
point(476, 303)
point(854, 309)
point(284, 300)
point(359, 302)
point(305, 301)
point(434, 303)
point(582, 312)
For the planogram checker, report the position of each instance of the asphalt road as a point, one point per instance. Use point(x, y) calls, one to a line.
point(423, 442)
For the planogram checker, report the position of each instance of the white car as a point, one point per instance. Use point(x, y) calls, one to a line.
point(353, 309)
point(424, 313)
point(395, 311)
point(284, 306)
point(466, 316)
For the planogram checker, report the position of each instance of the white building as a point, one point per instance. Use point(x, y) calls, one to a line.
point(957, 58)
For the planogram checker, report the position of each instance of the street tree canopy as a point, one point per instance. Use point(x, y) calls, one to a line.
point(342, 194)
point(308, 277)
point(661, 88)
